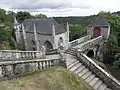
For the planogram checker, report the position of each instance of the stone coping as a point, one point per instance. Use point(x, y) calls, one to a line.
point(24, 61)
point(102, 70)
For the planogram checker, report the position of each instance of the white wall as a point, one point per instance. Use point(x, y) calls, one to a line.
point(65, 39)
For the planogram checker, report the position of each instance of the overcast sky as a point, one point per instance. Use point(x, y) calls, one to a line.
point(62, 7)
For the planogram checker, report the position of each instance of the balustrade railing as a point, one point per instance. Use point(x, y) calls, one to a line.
point(90, 43)
point(11, 69)
point(79, 41)
point(20, 55)
point(107, 78)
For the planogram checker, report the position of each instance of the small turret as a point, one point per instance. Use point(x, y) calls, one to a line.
point(53, 29)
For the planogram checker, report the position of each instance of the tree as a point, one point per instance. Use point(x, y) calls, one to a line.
point(113, 43)
point(40, 16)
point(21, 16)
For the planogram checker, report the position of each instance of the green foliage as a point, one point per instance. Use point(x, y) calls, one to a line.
point(40, 16)
point(77, 25)
point(6, 27)
point(113, 43)
point(116, 62)
point(21, 16)
point(77, 31)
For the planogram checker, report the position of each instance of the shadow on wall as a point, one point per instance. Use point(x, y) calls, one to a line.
point(90, 54)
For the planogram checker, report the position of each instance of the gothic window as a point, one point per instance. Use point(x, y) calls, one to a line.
point(33, 42)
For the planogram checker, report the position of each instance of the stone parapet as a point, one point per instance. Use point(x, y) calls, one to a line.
point(11, 69)
point(107, 78)
point(20, 55)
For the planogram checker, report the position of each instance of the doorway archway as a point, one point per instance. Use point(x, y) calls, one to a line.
point(90, 53)
point(60, 41)
point(48, 45)
point(97, 32)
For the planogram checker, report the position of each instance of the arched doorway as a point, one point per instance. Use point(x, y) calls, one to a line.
point(90, 54)
point(60, 41)
point(97, 32)
point(48, 45)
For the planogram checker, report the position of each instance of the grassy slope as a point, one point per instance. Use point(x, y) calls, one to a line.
point(51, 79)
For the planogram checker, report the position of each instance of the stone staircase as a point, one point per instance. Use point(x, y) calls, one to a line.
point(78, 68)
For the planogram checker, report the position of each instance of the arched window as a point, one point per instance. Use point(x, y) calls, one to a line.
point(60, 41)
point(48, 45)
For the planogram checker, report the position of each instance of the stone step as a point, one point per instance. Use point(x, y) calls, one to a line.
point(75, 67)
point(88, 79)
point(80, 69)
point(108, 89)
point(83, 72)
point(86, 74)
point(94, 81)
point(102, 87)
point(72, 64)
point(96, 86)
point(74, 54)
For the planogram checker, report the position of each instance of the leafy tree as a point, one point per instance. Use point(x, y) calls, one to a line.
point(40, 16)
point(113, 43)
point(21, 16)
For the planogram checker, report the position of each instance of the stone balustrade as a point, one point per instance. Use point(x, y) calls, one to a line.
point(52, 51)
point(11, 69)
point(78, 41)
point(20, 55)
point(107, 78)
point(90, 43)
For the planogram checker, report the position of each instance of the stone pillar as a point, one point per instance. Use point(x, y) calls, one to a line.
point(36, 38)
point(17, 34)
point(62, 56)
point(67, 28)
point(24, 37)
point(17, 31)
point(43, 49)
point(53, 34)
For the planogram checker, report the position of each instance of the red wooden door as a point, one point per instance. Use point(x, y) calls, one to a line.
point(96, 32)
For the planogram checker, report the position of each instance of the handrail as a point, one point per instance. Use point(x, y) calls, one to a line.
point(97, 66)
point(18, 51)
point(20, 55)
point(78, 41)
point(111, 81)
point(90, 43)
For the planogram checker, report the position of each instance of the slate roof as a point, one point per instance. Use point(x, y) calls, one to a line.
point(43, 26)
point(100, 20)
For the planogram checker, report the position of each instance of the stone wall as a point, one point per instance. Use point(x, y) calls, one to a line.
point(11, 69)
